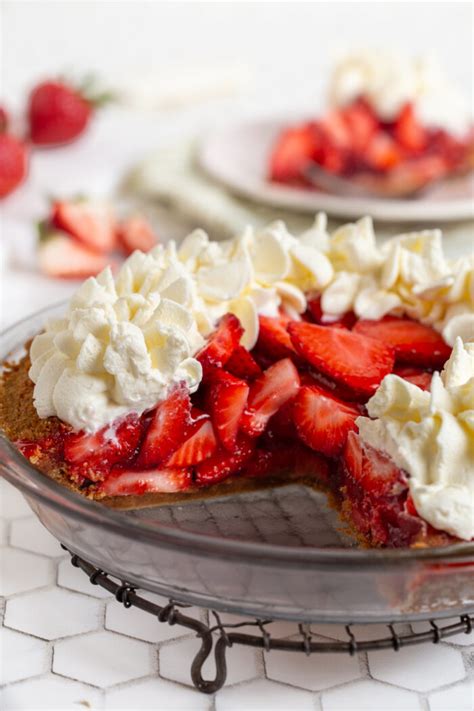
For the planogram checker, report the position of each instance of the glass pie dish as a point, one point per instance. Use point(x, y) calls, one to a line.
point(278, 553)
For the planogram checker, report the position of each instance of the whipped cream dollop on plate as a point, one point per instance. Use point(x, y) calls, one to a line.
point(430, 435)
point(388, 81)
point(125, 341)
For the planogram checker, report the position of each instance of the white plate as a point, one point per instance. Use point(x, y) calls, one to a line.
point(237, 156)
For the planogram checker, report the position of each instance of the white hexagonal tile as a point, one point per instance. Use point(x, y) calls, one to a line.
point(12, 503)
point(456, 698)
point(52, 613)
point(103, 659)
point(155, 694)
point(3, 533)
point(313, 672)
point(462, 638)
point(51, 694)
point(420, 669)
point(367, 696)
point(263, 695)
point(176, 659)
point(20, 571)
point(73, 578)
point(22, 656)
point(136, 623)
point(31, 535)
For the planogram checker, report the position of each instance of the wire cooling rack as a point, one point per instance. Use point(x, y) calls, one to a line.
point(220, 636)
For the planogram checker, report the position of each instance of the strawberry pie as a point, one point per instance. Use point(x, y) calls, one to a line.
point(207, 368)
point(393, 125)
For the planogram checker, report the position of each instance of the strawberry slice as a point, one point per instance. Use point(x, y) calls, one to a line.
point(316, 314)
point(135, 233)
point(355, 361)
point(409, 132)
point(242, 364)
point(322, 420)
point(223, 463)
point(221, 344)
point(417, 376)
point(98, 451)
point(133, 482)
point(168, 428)
point(273, 338)
point(62, 258)
point(92, 223)
point(227, 399)
point(198, 446)
point(362, 124)
point(413, 342)
point(278, 384)
point(294, 149)
point(382, 152)
point(373, 471)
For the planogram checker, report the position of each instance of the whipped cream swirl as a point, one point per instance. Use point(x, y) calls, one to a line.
point(430, 435)
point(388, 81)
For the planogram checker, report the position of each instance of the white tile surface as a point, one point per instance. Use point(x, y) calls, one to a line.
point(313, 672)
point(72, 578)
point(103, 659)
point(264, 696)
point(31, 535)
point(22, 656)
point(156, 695)
point(459, 698)
point(367, 696)
point(12, 503)
point(411, 669)
point(136, 623)
point(20, 571)
point(51, 694)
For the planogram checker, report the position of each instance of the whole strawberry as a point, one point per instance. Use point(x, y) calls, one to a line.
point(13, 163)
point(57, 113)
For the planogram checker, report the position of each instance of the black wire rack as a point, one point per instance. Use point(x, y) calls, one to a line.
point(220, 636)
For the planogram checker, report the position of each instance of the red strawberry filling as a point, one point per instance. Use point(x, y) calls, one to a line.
point(296, 416)
point(354, 141)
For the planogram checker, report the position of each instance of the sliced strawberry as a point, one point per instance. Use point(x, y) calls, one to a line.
point(132, 482)
point(221, 343)
point(227, 399)
point(362, 124)
point(278, 384)
point(136, 233)
point(294, 149)
point(223, 463)
point(281, 425)
point(97, 452)
point(242, 364)
point(417, 376)
point(322, 420)
point(409, 132)
point(61, 257)
point(357, 362)
point(413, 342)
point(335, 129)
point(317, 315)
point(382, 153)
point(273, 339)
point(168, 428)
point(92, 223)
point(370, 469)
point(198, 446)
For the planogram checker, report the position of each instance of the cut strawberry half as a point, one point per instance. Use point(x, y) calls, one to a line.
point(91, 223)
point(223, 463)
point(199, 445)
point(273, 338)
point(133, 482)
point(242, 364)
point(370, 469)
point(294, 149)
point(168, 428)
point(268, 393)
point(409, 132)
point(417, 376)
point(100, 450)
point(362, 124)
point(227, 399)
point(221, 344)
point(413, 342)
point(355, 361)
point(136, 233)
point(322, 420)
point(62, 258)
point(382, 153)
